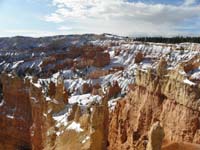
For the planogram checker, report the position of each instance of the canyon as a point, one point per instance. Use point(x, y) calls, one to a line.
point(98, 92)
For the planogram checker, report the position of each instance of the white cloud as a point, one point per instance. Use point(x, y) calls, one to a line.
point(28, 32)
point(54, 18)
point(65, 28)
point(123, 17)
point(189, 2)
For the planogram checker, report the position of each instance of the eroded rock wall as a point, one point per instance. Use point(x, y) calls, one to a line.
point(165, 98)
point(27, 114)
point(23, 114)
point(15, 114)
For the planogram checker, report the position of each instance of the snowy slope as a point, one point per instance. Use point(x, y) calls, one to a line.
point(26, 56)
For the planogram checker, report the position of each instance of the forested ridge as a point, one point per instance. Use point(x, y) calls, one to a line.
point(178, 39)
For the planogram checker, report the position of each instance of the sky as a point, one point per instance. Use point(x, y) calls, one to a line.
point(122, 17)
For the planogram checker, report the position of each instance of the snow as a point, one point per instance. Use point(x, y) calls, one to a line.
point(10, 75)
point(48, 99)
point(84, 99)
point(9, 116)
point(16, 64)
point(112, 53)
point(75, 126)
point(75, 85)
point(56, 75)
point(68, 74)
point(59, 118)
point(2, 102)
point(37, 85)
point(189, 82)
point(34, 99)
point(86, 139)
point(54, 101)
point(2, 63)
point(28, 77)
point(45, 115)
point(59, 133)
point(145, 66)
point(123, 78)
point(112, 103)
point(196, 75)
point(49, 111)
point(62, 117)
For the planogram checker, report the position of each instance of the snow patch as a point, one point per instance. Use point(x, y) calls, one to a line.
point(86, 139)
point(196, 76)
point(2, 102)
point(10, 117)
point(62, 117)
point(34, 99)
point(84, 99)
point(48, 99)
point(75, 126)
point(37, 85)
point(189, 82)
point(112, 103)
point(16, 64)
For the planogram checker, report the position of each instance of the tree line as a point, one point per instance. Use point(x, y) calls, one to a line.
point(178, 39)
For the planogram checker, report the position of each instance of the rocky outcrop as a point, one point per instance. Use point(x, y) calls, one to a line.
point(25, 113)
point(156, 96)
point(15, 115)
point(86, 88)
point(92, 56)
point(139, 57)
point(156, 135)
point(114, 90)
point(101, 59)
point(99, 127)
point(162, 67)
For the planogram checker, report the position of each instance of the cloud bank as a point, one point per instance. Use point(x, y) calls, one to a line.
point(125, 17)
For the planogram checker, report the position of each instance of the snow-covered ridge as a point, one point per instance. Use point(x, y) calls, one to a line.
point(51, 56)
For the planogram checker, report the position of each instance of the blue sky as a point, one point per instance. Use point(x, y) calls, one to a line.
point(123, 17)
